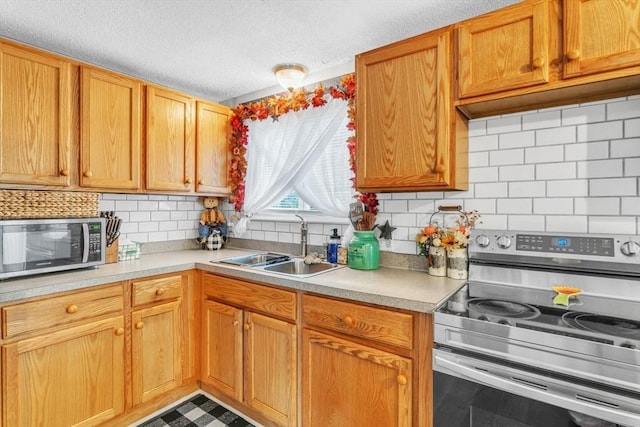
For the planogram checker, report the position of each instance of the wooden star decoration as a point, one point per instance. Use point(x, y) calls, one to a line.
point(386, 230)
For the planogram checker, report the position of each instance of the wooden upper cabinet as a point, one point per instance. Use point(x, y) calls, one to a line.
point(212, 148)
point(111, 126)
point(503, 50)
point(170, 141)
point(600, 35)
point(35, 117)
point(409, 136)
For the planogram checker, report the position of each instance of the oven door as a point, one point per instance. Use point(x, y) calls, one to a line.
point(472, 391)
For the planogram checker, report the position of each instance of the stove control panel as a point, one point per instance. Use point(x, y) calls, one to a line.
point(578, 246)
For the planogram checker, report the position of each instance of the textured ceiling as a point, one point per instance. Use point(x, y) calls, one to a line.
point(224, 49)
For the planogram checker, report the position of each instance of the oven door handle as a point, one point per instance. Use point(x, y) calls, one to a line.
point(531, 386)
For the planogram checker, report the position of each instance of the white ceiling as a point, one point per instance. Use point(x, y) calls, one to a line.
point(223, 50)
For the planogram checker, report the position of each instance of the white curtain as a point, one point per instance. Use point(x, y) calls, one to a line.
point(304, 150)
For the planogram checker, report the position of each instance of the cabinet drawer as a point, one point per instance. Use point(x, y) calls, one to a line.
point(268, 300)
point(53, 311)
point(377, 324)
point(157, 289)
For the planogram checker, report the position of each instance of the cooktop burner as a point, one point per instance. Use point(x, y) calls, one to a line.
point(603, 324)
point(500, 311)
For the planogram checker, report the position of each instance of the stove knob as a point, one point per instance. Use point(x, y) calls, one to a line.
point(630, 248)
point(483, 240)
point(503, 322)
point(504, 242)
point(629, 345)
point(483, 318)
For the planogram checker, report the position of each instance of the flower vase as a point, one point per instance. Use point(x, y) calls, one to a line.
point(457, 263)
point(437, 261)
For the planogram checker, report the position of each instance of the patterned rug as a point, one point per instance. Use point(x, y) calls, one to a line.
point(199, 411)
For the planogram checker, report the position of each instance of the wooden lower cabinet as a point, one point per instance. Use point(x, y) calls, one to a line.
point(156, 345)
point(345, 384)
point(70, 377)
point(247, 356)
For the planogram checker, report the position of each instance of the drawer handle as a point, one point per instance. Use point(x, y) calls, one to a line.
point(348, 320)
point(120, 331)
point(72, 309)
point(572, 55)
point(402, 380)
point(160, 292)
point(247, 326)
point(139, 325)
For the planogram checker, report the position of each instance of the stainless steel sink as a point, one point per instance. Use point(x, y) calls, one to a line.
point(254, 260)
point(297, 267)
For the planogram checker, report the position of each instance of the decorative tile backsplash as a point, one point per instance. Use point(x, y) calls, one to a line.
point(568, 169)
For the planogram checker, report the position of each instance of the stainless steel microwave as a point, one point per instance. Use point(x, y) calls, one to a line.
point(35, 246)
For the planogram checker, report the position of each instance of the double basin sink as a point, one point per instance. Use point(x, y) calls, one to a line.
point(280, 263)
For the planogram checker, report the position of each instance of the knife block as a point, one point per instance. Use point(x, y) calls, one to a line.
point(112, 253)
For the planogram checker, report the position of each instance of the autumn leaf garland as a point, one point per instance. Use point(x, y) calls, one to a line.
point(276, 106)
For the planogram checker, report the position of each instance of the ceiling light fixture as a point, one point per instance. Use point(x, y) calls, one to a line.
point(290, 76)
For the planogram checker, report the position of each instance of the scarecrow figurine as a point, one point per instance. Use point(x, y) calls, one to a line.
point(210, 220)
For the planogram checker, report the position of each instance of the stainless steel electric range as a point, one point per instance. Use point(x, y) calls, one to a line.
point(545, 333)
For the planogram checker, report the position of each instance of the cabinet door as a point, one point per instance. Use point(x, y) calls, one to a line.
point(170, 145)
point(507, 49)
point(212, 148)
point(35, 117)
point(347, 384)
point(156, 360)
point(600, 35)
point(407, 126)
point(70, 377)
point(111, 124)
point(270, 367)
point(222, 348)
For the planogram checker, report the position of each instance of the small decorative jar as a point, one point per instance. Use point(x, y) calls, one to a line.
point(437, 261)
point(457, 263)
point(364, 251)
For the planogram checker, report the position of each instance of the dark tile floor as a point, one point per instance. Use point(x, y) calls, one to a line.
point(199, 411)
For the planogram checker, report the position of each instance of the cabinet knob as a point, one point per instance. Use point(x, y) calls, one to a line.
point(64, 172)
point(440, 168)
point(160, 292)
point(72, 309)
point(200, 182)
point(247, 326)
point(348, 320)
point(572, 55)
point(537, 62)
point(120, 331)
point(402, 380)
point(236, 323)
point(139, 325)
point(88, 174)
point(187, 180)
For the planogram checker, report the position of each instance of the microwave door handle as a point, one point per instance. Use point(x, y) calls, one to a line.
point(85, 242)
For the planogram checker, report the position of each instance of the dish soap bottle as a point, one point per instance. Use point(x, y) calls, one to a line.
point(332, 247)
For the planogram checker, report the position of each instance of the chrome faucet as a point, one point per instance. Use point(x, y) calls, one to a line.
point(303, 236)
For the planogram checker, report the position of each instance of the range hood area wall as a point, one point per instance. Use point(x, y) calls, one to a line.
point(574, 168)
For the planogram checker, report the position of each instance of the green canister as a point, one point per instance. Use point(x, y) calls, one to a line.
point(364, 251)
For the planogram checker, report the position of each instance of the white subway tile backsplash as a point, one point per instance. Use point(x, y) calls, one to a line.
point(612, 224)
point(587, 151)
point(126, 205)
point(600, 131)
point(516, 140)
point(483, 143)
point(542, 119)
point(546, 171)
point(167, 225)
point(167, 205)
point(395, 206)
point(160, 236)
point(406, 220)
point(148, 205)
point(494, 190)
point(162, 216)
point(420, 205)
point(479, 159)
point(515, 206)
point(517, 173)
point(477, 128)
point(630, 206)
point(568, 188)
point(489, 174)
point(527, 189)
point(140, 216)
point(555, 136)
point(483, 206)
point(567, 223)
point(506, 157)
point(543, 154)
point(632, 167)
point(553, 206)
point(600, 168)
point(625, 147)
point(625, 109)
point(286, 238)
point(147, 227)
point(618, 187)
point(504, 124)
point(597, 206)
point(526, 222)
point(584, 114)
point(631, 128)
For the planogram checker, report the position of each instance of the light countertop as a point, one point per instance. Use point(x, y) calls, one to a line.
point(390, 287)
